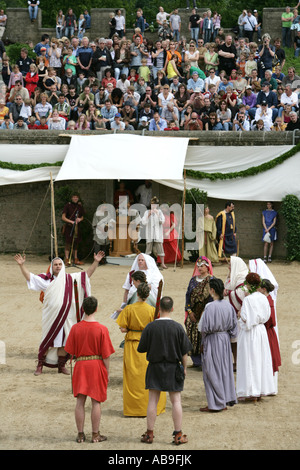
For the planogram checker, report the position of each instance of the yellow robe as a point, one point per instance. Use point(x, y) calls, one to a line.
point(135, 318)
point(209, 243)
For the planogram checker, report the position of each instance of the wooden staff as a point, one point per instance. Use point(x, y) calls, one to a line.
point(183, 211)
point(160, 285)
point(53, 217)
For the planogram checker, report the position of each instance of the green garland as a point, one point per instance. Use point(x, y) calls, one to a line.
point(26, 167)
point(191, 173)
point(244, 173)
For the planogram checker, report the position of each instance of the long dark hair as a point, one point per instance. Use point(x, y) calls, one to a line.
point(218, 286)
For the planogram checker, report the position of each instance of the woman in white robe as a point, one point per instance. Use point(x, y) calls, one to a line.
point(146, 264)
point(254, 377)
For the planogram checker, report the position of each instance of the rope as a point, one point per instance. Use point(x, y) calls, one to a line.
point(33, 227)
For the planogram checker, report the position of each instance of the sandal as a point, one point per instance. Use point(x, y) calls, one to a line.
point(179, 438)
point(97, 437)
point(80, 437)
point(147, 437)
point(269, 259)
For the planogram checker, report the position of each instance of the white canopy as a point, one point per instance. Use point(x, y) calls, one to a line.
point(162, 159)
point(123, 156)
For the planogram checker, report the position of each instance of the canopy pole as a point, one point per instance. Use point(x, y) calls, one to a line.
point(183, 213)
point(53, 217)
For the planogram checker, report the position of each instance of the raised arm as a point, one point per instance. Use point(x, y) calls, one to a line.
point(21, 262)
point(97, 258)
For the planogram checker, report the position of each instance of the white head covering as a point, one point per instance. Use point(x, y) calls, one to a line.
point(152, 272)
point(260, 267)
point(238, 272)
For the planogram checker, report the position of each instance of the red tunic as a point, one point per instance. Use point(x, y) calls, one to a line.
point(90, 377)
point(273, 340)
point(170, 244)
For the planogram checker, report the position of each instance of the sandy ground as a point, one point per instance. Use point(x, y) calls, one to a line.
point(37, 413)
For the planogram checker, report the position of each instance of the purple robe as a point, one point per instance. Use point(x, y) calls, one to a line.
point(217, 325)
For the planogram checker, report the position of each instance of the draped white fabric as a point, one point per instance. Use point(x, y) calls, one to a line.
point(123, 156)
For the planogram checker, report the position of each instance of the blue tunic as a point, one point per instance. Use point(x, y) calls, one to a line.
point(269, 216)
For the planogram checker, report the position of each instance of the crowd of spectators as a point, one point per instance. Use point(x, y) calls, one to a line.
point(209, 81)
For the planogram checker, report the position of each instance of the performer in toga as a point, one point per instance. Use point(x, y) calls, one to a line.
point(62, 307)
point(226, 230)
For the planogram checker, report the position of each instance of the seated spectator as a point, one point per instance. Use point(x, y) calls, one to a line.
point(160, 80)
point(32, 123)
point(82, 123)
point(43, 109)
point(157, 123)
point(294, 123)
point(42, 124)
point(108, 113)
point(130, 113)
point(266, 95)
point(193, 123)
point(108, 78)
point(172, 126)
point(195, 82)
point(62, 107)
point(117, 124)
point(71, 125)
point(15, 109)
point(288, 97)
point(7, 124)
point(241, 123)
point(93, 115)
point(251, 64)
point(101, 97)
point(278, 75)
point(44, 43)
point(143, 124)
point(123, 83)
point(31, 79)
point(278, 125)
point(240, 84)
point(15, 76)
point(224, 116)
point(70, 61)
point(224, 83)
point(170, 113)
point(292, 79)
point(213, 124)
point(140, 86)
point(146, 112)
point(24, 61)
point(149, 97)
point(56, 122)
point(165, 97)
point(85, 97)
point(3, 110)
point(132, 96)
point(268, 78)
point(258, 126)
point(265, 114)
point(249, 98)
point(33, 6)
point(212, 79)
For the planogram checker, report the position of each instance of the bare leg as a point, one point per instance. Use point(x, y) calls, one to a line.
point(80, 412)
point(175, 398)
point(95, 415)
point(271, 249)
point(152, 408)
